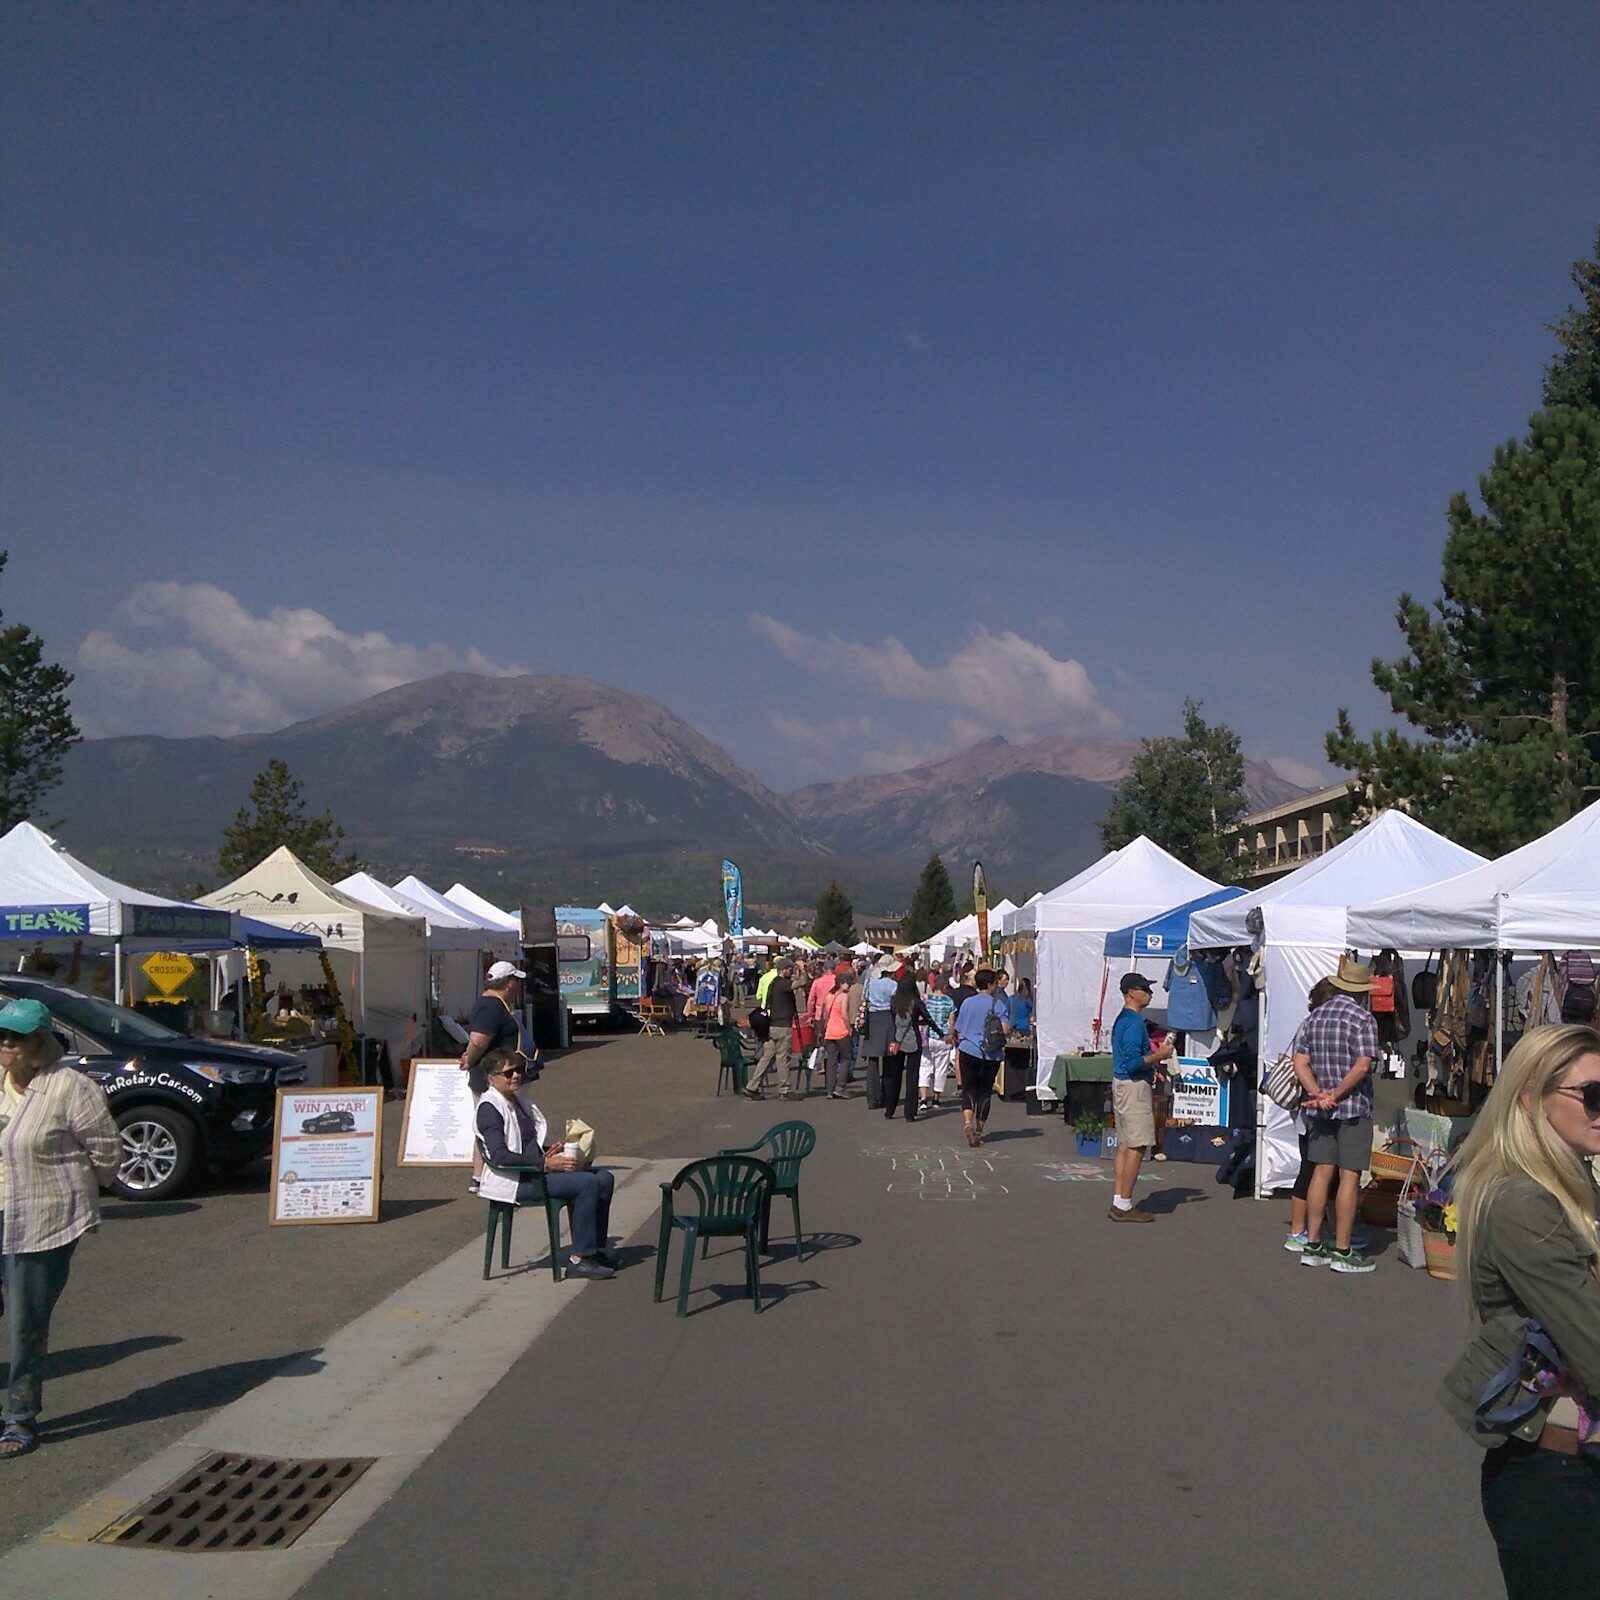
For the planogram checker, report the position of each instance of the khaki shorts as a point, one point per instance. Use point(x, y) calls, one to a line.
point(1136, 1123)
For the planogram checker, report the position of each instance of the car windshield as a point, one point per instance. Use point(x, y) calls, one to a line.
point(106, 1021)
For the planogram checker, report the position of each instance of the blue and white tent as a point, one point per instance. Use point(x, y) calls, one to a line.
point(1157, 938)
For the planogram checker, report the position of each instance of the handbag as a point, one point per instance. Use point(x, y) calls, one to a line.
point(1408, 1236)
point(1281, 1084)
point(581, 1134)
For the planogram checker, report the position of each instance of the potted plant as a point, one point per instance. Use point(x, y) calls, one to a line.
point(1437, 1216)
point(1089, 1134)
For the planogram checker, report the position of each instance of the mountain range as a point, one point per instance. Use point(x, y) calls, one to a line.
point(546, 786)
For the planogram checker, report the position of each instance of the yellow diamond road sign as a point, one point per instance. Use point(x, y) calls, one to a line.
point(167, 970)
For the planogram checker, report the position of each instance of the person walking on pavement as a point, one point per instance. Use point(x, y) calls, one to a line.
point(980, 1045)
point(1133, 1064)
point(838, 1034)
point(765, 982)
point(778, 1051)
point(1528, 1260)
point(59, 1144)
point(903, 1062)
point(1333, 1060)
point(936, 1053)
point(876, 1025)
point(492, 1024)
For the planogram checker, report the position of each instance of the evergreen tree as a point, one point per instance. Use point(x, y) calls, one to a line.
point(274, 815)
point(36, 726)
point(933, 906)
point(1502, 676)
point(1184, 794)
point(1573, 376)
point(835, 918)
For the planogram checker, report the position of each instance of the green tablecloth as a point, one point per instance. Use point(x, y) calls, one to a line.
point(1079, 1069)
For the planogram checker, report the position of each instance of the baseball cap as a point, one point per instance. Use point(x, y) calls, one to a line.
point(1135, 980)
point(24, 1016)
point(504, 969)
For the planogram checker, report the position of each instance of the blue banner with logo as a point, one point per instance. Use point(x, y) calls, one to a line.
point(733, 898)
point(43, 922)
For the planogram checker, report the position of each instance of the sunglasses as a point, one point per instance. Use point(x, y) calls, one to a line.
point(509, 1072)
point(14, 1041)
point(1588, 1092)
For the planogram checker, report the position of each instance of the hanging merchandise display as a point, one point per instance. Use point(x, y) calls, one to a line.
point(1189, 1005)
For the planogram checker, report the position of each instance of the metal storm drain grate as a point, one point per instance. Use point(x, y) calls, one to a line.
point(229, 1502)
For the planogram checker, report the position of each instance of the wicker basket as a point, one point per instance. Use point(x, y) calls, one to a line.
point(1397, 1160)
point(1440, 1252)
point(1379, 1201)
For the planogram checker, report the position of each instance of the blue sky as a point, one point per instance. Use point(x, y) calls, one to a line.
point(857, 379)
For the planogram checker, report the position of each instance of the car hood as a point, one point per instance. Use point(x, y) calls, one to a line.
point(218, 1052)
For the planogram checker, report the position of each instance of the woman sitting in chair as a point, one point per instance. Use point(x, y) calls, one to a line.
point(512, 1131)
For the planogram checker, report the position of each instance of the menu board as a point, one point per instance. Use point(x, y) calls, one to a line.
point(327, 1155)
point(437, 1130)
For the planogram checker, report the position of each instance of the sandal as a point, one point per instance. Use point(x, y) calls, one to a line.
point(18, 1439)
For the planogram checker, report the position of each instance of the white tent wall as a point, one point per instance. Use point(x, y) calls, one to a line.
point(457, 980)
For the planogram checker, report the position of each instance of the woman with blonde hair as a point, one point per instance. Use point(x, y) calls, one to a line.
point(1528, 1260)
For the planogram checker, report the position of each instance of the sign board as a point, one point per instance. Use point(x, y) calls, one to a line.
point(177, 922)
point(43, 922)
point(168, 970)
point(1198, 1094)
point(437, 1128)
point(327, 1155)
point(708, 988)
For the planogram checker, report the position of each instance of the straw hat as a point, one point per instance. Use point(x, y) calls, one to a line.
point(1353, 977)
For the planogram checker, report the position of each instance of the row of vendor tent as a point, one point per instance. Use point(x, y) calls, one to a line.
point(49, 897)
point(962, 934)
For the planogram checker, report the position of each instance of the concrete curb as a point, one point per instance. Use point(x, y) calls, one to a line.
point(391, 1384)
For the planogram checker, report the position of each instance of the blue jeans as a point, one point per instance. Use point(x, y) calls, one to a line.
point(34, 1281)
point(590, 1196)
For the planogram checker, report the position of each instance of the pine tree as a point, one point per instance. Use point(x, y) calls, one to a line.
point(933, 906)
point(1502, 676)
point(835, 918)
point(275, 815)
point(1184, 795)
point(1573, 376)
point(36, 726)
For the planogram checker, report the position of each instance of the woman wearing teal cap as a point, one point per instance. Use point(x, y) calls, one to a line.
point(58, 1146)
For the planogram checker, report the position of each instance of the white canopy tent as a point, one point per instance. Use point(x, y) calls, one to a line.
point(1545, 896)
point(962, 934)
point(48, 896)
point(689, 938)
point(379, 958)
point(1069, 927)
point(455, 942)
point(459, 894)
point(1304, 921)
point(494, 938)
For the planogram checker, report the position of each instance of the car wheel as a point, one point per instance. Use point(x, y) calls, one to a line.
point(157, 1153)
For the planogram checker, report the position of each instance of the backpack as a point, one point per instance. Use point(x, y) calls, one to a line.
point(1382, 994)
point(994, 1034)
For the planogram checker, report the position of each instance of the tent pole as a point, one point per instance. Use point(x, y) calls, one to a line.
point(1499, 1014)
point(1261, 1110)
point(116, 973)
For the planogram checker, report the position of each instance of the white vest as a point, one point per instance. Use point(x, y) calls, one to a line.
point(500, 1183)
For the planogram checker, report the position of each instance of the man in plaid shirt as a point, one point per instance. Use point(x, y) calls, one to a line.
point(1337, 1046)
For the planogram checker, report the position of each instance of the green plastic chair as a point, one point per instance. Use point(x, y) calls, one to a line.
point(501, 1215)
point(731, 1064)
point(732, 1194)
point(783, 1147)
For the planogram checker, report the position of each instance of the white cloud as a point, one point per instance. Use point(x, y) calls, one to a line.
point(182, 658)
point(1001, 681)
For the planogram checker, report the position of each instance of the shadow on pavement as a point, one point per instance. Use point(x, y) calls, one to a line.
point(995, 1136)
point(188, 1391)
point(91, 1357)
point(135, 1210)
point(810, 1244)
point(1165, 1201)
point(727, 1294)
point(390, 1209)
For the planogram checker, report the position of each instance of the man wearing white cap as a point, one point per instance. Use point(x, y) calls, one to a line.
point(492, 1024)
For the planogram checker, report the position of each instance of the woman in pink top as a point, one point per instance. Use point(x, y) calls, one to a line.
point(837, 1027)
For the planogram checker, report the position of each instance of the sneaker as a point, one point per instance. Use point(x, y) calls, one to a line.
point(472, 1185)
point(1315, 1255)
point(589, 1268)
point(1359, 1240)
point(1351, 1260)
point(1296, 1241)
point(1132, 1214)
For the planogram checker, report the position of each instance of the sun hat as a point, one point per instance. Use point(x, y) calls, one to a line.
point(505, 969)
point(24, 1016)
point(1353, 977)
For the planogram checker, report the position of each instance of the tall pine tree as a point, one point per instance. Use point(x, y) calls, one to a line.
point(275, 815)
point(835, 918)
point(1573, 376)
point(36, 726)
point(1184, 794)
point(1502, 675)
point(933, 906)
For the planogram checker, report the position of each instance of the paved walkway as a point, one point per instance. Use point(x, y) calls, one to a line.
point(972, 1381)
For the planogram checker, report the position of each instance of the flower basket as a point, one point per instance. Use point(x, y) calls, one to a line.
point(1439, 1251)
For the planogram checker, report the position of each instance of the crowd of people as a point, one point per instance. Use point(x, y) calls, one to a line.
point(904, 1030)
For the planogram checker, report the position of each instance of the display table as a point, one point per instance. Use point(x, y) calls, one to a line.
point(1081, 1083)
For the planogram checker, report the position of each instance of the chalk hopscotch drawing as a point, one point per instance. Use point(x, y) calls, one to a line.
point(1072, 1172)
point(939, 1174)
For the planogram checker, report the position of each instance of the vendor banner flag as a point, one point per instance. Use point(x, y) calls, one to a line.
point(733, 898)
point(980, 904)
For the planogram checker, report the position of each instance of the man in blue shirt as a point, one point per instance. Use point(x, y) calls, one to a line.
point(1133, 1066)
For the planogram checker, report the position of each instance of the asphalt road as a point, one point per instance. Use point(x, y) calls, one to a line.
point(174, 1310)
point(974, 1382)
